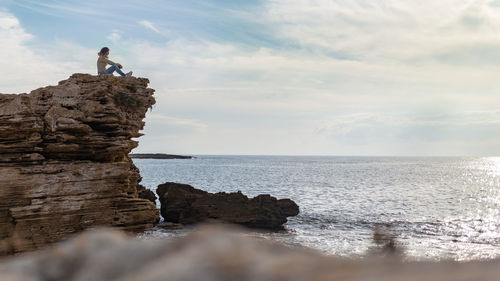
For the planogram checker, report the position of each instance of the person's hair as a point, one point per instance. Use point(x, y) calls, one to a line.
point(103, 51)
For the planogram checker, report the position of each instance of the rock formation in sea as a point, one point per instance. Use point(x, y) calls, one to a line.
point(182, 203)
point(222, 255)
point(158, 156)
point(63, 160)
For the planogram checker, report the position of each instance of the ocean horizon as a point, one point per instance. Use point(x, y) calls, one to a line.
point(324, 155)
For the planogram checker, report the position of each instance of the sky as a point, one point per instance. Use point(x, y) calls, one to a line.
point(280, 77)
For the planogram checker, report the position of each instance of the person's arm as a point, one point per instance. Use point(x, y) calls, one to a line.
point(113, 63)
point(110, 62)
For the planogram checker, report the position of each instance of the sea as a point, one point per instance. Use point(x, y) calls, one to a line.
point(436, 208)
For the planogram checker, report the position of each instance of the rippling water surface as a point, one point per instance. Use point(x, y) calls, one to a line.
point(439, 208)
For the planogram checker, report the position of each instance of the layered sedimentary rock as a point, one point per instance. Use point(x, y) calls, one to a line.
point(182, 203)
point(63, 160)
point(222, 255)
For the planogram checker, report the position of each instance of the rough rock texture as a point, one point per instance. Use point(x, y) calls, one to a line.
point(218, 254)
point(145, 193)
point(63, 160)
point(182, 203)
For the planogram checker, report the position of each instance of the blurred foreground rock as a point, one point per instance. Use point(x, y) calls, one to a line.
point(216, 254)
point(63, 160)
point(182, 203)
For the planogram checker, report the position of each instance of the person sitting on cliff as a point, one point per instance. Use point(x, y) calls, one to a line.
point(103, 60)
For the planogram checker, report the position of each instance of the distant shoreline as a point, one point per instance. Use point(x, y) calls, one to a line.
point(158, 156)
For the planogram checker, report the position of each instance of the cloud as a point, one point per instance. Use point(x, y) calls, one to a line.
point(174, 121)
point(384, 30)
point(365, 128)
point(115, 35)
point(11, 29)
point(149, 25)
point(21, 65)
point(27, 68)
point(256, 96)
point(268, 79)
point(63, 9)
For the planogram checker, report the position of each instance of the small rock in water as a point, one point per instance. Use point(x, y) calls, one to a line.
point(182, 203)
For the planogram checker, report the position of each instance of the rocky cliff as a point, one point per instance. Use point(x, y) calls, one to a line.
point(63, 160)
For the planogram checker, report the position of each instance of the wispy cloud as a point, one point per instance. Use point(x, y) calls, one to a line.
point(472, 126)
point(115, 35)
point(385, 30)
point(62, 9)
point(175, 121)
point(149, 25)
